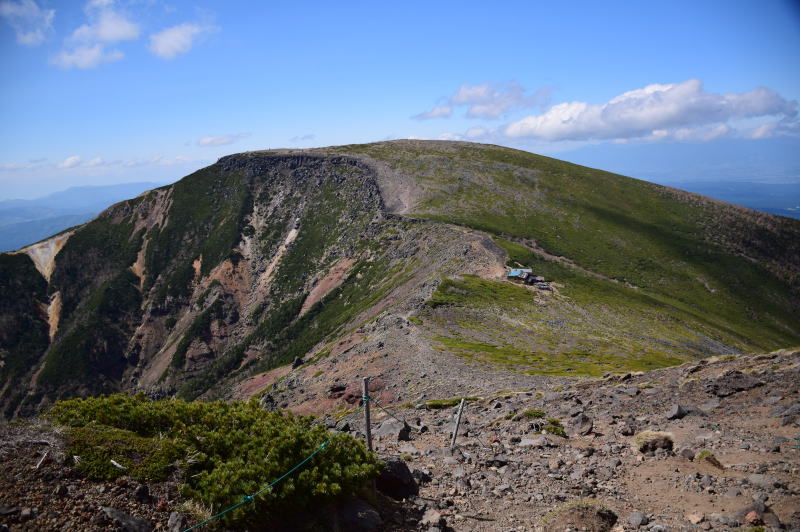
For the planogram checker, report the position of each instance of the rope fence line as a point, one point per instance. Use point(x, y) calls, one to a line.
point(249, 498)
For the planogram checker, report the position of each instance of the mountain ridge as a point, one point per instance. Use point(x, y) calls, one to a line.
point(199, 288)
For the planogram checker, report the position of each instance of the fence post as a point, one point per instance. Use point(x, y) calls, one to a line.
point(458, 422)
point(366, 399)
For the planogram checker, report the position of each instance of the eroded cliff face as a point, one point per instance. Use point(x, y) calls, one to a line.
point(239, 268)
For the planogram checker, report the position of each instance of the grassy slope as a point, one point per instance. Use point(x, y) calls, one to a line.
point(724, 272)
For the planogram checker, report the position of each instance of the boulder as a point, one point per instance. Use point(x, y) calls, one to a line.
point(677, 412)
point(393, 430)
point(732, 382)
point(637, 519)
point(395, 480)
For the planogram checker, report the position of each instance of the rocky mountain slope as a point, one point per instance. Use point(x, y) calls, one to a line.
point(389, 259)
point(708, 445)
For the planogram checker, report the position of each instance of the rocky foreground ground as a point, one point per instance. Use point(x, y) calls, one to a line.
point(712, 445)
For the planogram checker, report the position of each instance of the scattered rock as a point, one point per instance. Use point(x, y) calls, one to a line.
point(129, 523)
point(765, 482)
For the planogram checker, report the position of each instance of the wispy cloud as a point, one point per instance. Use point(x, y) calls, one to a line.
point(85, 57)
point(676, 111)
point(440, 111)
point(303, 138)
point(70, 162)
point(30, 23)
point(176, 40)
point(487, 100)
point(221, 140)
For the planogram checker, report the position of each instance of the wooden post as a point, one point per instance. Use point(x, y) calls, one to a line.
point(367, 429)
point(458, 422)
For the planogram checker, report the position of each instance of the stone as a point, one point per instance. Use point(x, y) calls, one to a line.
point(498, 460)
point(732, 382)
point(142, 493)
point(637, 519)
point(687, 453)
point(765, 482)
point(583, 425)
point(677, 412)
point(537, 443)
point(176, 522)
point(359, 516)
point(395, 480)
point(432, 518)
point(752, 518)
point(421, 476)
point(61, 491)
point(128, 523)
point(695, 519)
point(393, 430)
point(733, 492)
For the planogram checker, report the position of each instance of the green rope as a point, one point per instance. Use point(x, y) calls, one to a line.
point(249, 498)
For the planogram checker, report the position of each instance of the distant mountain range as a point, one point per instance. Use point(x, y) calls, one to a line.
point(24, 222)
point(782, 199)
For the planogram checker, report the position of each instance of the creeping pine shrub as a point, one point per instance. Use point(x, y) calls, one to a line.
point(223, 450)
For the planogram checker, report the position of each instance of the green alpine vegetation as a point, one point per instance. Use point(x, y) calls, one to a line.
point(222, 451)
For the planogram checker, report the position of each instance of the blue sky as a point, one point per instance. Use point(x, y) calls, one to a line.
point(142, 90)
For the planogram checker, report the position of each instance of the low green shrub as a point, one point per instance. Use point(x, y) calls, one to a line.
point(533, 414)
point(555, 427)
point(438, 404)
point(223, 451)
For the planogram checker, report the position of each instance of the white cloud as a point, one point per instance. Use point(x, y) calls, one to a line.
point(85, 57)
point(487, 100)
point(30, 22)
point(680, 111)
point(70, 162)
point(97, 161)
point(106, 26)
point(168, 43)
point(476, 132)
point(221, 140)
point(87, 45)
point(440, 111)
